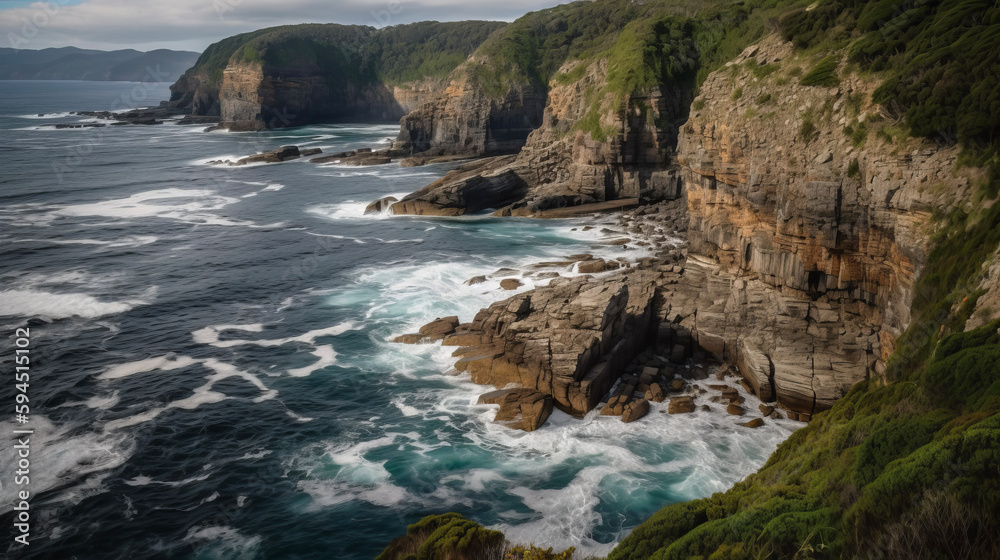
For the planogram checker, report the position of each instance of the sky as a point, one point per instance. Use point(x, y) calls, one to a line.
point(194, 24)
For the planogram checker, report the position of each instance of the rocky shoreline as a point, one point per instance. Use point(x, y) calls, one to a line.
point(598, 339)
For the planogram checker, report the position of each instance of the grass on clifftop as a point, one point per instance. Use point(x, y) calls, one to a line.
point(391, 55)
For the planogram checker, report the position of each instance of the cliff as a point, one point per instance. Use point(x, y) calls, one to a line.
point(809, 235)
point(604, 134)
point(294, 75)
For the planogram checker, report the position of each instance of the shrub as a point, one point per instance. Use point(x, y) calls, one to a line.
point(763, 98)
point(854, 169)
point(808, 128)
point(824, 74)
point(738, 93)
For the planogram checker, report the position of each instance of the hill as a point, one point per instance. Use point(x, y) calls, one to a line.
point(71, 63)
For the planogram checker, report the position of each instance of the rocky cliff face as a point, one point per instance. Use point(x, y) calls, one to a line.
point(571, 340)
point(188, 93)
point(464, 119)
point(256, 96)
point(809, 216)
point(561, 164)
point(806, 236)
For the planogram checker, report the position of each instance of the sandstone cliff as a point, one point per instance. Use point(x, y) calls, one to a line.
point(562, 164)
point(466, 119)
point(808, 238)
point(810, 213)
point(255, 96)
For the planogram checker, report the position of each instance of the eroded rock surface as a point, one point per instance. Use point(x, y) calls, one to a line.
point(804, 246)
point(570, 339)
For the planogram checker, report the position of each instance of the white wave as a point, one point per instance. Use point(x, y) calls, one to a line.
point(223, 542)
point(76, 462)
point(142, 480)
point(202, 395)
point(163, 363)
point(128, 241)
point(274, 187)
point(210, 335)
point(184, 205)
point(327, 357)
point(30, 303)
point(46, 115)
point(349, 210)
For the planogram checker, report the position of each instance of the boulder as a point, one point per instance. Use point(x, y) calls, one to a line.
point(681, 405)
point(409, 339)
point(381, 205)
point(755, 423)
point(571, 339)
point(648, 375)
point(677, 385)
point(765, 409)
point(439, 328)
point(475, 280)
point(678, 354)
point(655, 393)
point(524, 409)
point(635, 410)
point(735, 409)
point(511, 283)
point(592, 266)
point(615, 406)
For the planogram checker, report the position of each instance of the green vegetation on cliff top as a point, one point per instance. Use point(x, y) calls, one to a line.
point(392, 55)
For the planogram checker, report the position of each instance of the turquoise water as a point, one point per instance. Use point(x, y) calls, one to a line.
point(212, 377)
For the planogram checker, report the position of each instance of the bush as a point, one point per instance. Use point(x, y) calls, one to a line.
point(446, 537)
point(737, 93)
point(764, 98)
point(808, 128)
point(854, 169)
point(824, 74)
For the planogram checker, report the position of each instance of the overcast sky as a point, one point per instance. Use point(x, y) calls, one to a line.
point(194, 24)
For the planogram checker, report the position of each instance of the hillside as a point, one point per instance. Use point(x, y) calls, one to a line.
point(325, 71)
point(70, 63)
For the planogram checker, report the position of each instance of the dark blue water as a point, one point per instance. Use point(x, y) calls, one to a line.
point(211, 377)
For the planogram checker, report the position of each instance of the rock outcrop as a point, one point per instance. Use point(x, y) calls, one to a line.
point(570, 339)
point(561, 165)
point(464, 119)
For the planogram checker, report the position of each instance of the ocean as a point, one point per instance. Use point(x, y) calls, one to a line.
point(210, 370)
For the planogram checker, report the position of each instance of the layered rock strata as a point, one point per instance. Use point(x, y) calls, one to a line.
point(805, 236)
point(462, 118)
point(255, 96)
point(561, 165)
point(571, 339)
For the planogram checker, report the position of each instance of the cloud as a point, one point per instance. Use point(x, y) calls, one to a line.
point(194, 24)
